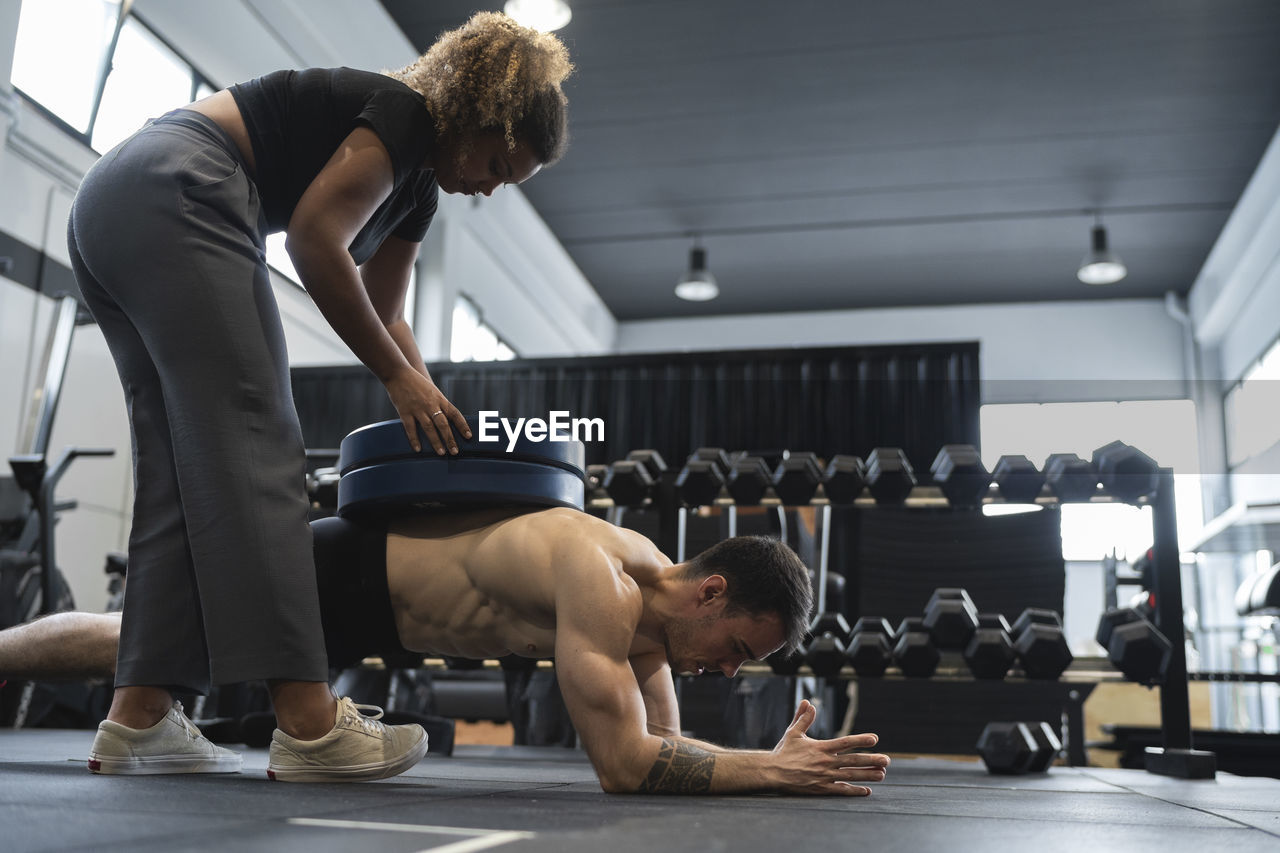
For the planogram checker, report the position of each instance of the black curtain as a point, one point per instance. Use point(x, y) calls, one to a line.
point(829, 401)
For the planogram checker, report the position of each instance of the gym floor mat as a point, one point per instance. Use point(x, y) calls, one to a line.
point(525, 800)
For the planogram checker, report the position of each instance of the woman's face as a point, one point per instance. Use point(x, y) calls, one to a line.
point(487, 166)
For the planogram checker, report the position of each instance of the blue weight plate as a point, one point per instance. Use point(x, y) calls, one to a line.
point(385, 441)
point(427, 482)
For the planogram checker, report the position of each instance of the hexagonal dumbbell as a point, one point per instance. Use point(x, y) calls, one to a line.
point(913, 649)
point(1018, 748)
point(717, 455)
point(1018, 479)
point(1040, 644)
point(827, 651)
point(652, 461)
point(1141, 652)
point(595, 482)
point(889, 475)
point(950, 617)
point(1125, 471)
point(781, 664)
point(844, 479)
point(1134, 645)
point(1113, 618)
point(749, 480)
point(1070, 478)
point(989, 653)
point(959, 472)
point(796, 479)
point(627, 483)
point(700, 481)
point(870, 648)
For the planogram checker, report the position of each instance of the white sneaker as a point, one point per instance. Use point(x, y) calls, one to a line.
point(357, 747)
point(173, 745)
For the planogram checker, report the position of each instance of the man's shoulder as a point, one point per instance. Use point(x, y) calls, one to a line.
point(578, 530)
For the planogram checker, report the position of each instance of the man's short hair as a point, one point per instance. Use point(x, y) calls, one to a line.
point(765, 577)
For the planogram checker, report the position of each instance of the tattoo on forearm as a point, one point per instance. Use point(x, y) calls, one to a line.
point(681, 768)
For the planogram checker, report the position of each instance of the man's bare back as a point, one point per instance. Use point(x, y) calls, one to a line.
point(483, 584)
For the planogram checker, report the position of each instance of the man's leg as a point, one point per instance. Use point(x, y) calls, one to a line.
point(61, 647)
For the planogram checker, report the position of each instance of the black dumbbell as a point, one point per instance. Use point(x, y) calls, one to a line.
point(835, 591)
point(990, 653)
point(950, 617)
point(748, 480)
point(652, 461)
point(913, 649)
point(595, 481)
point(959, 472)
point(627, 482)
point(889, 475)
point(700, 481)
point(790, 664)
point(1070, 478)
point(1018, 479)
point(1018, 748)
point(1113, 618)
point(1040, 644)
point(796, 479)
point(322, 488)
point(870, 649)
point(1125, 471)
point(844, 479)
point(717, 455)
point(827, 651)
point(1141, 652)
point(1134, 645)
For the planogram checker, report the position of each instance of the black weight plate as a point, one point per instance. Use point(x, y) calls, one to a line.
point(385, 440)
point(430, 482)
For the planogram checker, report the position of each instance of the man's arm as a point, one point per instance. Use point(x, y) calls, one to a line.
point(661, 710)
point(596, 617)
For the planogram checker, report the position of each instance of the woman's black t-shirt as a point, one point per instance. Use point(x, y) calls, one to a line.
point(296, 121)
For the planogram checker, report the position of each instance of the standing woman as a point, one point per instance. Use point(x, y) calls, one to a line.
point(167, 242)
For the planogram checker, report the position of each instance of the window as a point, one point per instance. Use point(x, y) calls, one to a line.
point(61, 54)
point(1163, 429)
point(278, 257)
point(98, 71)
point(472, 339)
point(147, 79)
point(1251, 407)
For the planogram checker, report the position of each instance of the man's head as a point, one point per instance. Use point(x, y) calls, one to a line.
point(752, 596)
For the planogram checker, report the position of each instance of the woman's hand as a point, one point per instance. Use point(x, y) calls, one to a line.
point(420, 403)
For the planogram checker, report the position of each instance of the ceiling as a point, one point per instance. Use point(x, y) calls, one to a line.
point(853, 154)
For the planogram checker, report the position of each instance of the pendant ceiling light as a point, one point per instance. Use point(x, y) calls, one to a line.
point(697, 284)
point(542, 15)
point(1101, 265)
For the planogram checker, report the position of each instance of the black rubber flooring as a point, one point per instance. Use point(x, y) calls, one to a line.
point(529, 800)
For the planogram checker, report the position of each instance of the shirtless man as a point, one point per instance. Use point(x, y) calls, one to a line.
point(617, 616)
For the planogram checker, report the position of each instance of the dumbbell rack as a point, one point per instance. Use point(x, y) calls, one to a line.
point(1175, 757)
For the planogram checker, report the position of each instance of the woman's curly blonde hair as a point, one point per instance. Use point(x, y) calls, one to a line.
point(491, 74)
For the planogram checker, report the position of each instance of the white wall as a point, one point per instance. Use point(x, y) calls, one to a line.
point(1235, 301)
point(1235, 311)
point(1032, 352)
point(501, 255)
